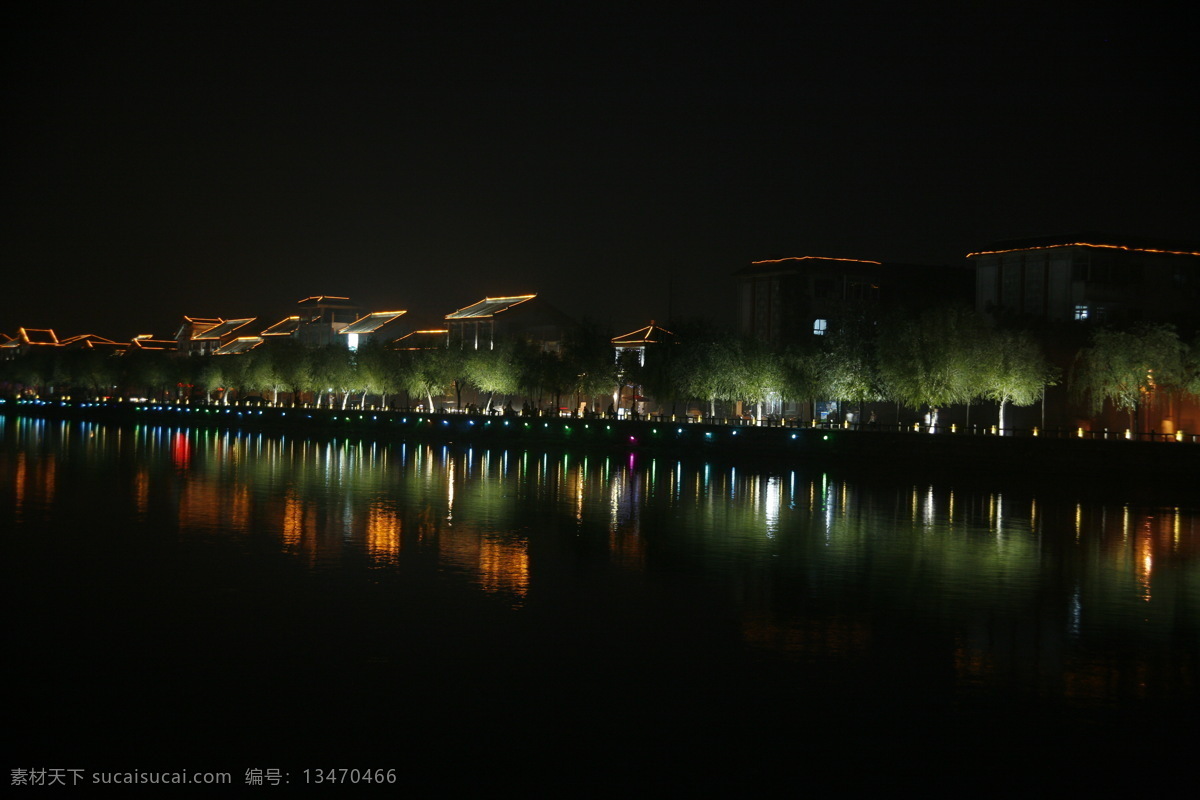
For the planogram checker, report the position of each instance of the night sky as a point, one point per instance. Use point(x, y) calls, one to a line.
point(228, 161)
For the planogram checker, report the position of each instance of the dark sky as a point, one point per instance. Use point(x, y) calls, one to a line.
point(225, 161)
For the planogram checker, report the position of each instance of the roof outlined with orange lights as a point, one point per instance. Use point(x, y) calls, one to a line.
point(222, 329)
point(201, 324)
point(1126, 248)
point(242, 344)
point(87, 337)
point(372, 322)
point(489, 307)
point(815, 258)
point(90, 341)
point(421, 340)
point(285, 327)
point(145, 342)
point(44, 336)
point(651, 334)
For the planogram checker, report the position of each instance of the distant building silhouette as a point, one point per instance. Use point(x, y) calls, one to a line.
point(1089, 277)
point(783, 300)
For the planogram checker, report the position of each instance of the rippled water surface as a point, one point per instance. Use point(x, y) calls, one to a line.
point(195, 596)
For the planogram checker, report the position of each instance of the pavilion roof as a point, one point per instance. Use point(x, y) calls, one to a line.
point(489, 306)
point(224, 328)
point(37, 336)
point(651, 334)
point(89, 341)
point(285, 327)
point(242, 344)
point(325, 300)
point(372, 322)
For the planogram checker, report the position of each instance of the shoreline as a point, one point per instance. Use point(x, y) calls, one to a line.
point(960, 456)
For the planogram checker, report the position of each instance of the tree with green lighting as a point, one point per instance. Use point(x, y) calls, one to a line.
point(756, 373)
point(334, 370)
point(707, 366)
point(850, 362)
point(378, 370)
point(1013, 369)
point(804, 371)
point(1125, 367)
point(433, 372)
point(258, 374)
point(292, 366)
point(219, 374)
point(931, 360)
point(494, 372)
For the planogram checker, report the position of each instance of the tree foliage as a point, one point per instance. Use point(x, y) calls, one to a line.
point(1123, 367)
point(850, 362)
point(932, 359)
point(1013, 369)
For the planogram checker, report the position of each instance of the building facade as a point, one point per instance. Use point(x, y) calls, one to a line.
point(785, 300)
point(1089, 278)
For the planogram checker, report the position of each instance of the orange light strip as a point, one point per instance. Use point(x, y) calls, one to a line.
point(271, 332)
point(1086, 244)
point(816, 258)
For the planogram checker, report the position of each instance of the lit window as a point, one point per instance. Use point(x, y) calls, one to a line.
point(352, 341)
point(1081, 313)
point(819, 326)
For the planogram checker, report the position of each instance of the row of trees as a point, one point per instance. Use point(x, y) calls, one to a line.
point(931, 361)
point(944, 357)
point(333, 375)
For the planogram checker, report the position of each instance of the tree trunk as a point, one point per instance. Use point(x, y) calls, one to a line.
point(1003, 404)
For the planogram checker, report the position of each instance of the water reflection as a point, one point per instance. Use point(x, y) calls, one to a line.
point(993, 587)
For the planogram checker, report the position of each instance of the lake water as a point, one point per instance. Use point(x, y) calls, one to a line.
point(194, 598)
